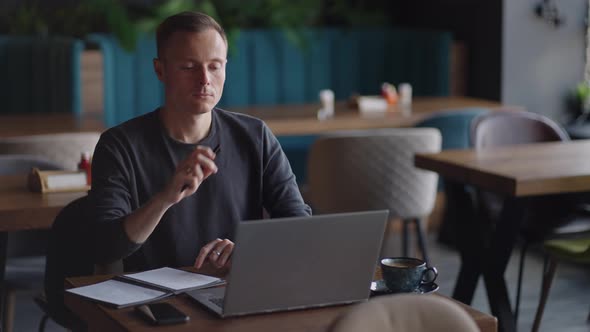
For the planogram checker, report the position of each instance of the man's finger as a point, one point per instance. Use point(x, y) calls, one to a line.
point(204, 252)
point(200, 149)
point(199, 173)
point(218, 251)
point(207, 164)
point(226, 254)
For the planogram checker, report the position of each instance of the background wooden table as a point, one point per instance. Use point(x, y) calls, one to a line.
point(518, 172)
point(302, 119)
point(282, 119)
point(21, 209)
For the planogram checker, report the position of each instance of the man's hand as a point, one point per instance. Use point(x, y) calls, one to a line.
point(190, 173)
point(217, 252)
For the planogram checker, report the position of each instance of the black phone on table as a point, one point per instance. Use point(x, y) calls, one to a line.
point(161, 313)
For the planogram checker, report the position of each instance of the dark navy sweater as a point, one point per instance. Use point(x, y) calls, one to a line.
point(135, 160)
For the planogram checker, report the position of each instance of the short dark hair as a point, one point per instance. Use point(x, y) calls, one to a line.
point(185, 21)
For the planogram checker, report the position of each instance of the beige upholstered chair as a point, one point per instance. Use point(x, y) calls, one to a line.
point(368, 170)
point(406, 312)
point(63, 148)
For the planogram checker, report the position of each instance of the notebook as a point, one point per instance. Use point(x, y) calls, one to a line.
point(144, 287)
point(296, 263)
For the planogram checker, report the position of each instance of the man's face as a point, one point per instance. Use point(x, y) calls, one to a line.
point(192, 68)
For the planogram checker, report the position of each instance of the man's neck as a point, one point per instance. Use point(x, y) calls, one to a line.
point(184, 126)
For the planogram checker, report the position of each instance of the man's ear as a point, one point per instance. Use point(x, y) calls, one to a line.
point(159, 69)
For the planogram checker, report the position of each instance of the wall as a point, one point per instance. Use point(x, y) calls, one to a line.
point(539, 62)
point(475, 23)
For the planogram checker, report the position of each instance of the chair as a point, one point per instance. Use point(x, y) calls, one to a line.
point(454, 126)
point(573, 250)
point(24, 250)
point(366, 170)
point(510, 128)
point(64, 149)
point(68, 255)
point(296, 148)
point(406, 312)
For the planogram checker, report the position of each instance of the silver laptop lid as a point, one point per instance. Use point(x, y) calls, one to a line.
point(291, 263)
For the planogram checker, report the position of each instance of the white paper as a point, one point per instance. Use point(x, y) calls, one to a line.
point(117, 292)
point(370, 104)
point(174, 279)
point(64, 181)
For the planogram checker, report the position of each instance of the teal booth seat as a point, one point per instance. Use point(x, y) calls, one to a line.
point(454, 125)
point(264, 68)
point(40, 74)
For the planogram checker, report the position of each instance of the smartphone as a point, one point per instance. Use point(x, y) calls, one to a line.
point(161, 314)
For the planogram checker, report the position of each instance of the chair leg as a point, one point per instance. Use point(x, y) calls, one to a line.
point(8, 314)
point(523, 251)
point(549, 268)
point(43, 322)
point(422, 238)
point(405, 238)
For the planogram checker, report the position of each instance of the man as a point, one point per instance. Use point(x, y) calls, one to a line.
point(169, 187)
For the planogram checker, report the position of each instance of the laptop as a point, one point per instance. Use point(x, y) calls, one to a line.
point(299, 262)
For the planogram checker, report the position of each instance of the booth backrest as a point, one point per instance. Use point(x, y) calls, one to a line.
point(265, 68)
point(40, 74)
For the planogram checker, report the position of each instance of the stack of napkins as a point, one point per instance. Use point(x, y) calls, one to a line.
point(144, 287)
point(372, 104)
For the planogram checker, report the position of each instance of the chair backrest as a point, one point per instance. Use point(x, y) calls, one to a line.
point(11, 164)
point(454, 125)
point(508, 128)
point(406, 312)
point(64, 149)
point(366, 170)
point(68, 255)
point(40, 74)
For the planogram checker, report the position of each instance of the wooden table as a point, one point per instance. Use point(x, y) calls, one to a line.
point(282, 119)
point(302, 119)
point(518, 172)
point(21, 210)
point(101, 318)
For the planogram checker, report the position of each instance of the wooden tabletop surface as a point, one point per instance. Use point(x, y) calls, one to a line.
point(48, 123)
point(21, 209)
point(108, 319)
point(282, 119)
point(302, 119)
point(521, 170)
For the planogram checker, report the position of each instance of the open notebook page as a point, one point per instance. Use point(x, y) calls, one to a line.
point(174, 279)
point(118, 293)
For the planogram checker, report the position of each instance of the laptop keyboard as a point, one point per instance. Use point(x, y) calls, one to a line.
point(217, 300)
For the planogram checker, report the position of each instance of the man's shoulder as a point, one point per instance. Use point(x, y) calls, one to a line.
point(242, 119)
point(137, 125)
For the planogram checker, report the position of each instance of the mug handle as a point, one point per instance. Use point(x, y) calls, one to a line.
point(425, 273)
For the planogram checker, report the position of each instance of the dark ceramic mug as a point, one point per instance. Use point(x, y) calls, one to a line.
point(405, 274)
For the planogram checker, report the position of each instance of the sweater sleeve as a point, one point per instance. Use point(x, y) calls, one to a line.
point(281, 195)
point(111, 200)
